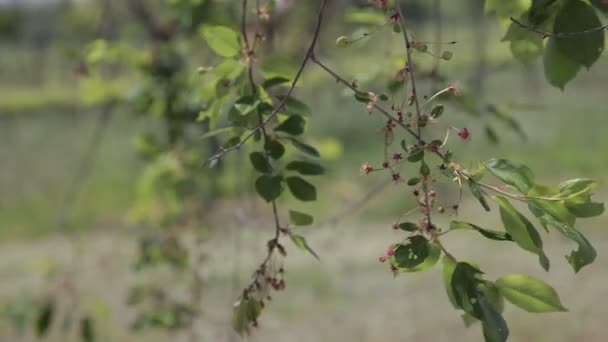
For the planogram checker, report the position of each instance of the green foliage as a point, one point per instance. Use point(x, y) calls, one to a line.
point(240, 103)
point(575, 40)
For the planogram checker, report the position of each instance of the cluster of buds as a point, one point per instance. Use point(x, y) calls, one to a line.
point(372, 101)
point(269, 275)
point(390, 251)
point(366, 168)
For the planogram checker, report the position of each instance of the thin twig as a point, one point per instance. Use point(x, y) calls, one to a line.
point(545, 34)
point(410, 69)
point(281, 104)
point(383, 111)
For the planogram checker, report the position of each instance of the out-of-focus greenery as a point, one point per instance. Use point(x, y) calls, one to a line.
point(46, 122)
point(46, 125)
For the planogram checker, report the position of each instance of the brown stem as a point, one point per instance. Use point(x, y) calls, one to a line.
point(410, 69)
point(281, 104)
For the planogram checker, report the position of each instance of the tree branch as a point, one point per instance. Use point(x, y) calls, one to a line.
point(275, 111)
point(557, 34)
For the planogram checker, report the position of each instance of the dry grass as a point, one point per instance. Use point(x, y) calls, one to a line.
point(349, 296)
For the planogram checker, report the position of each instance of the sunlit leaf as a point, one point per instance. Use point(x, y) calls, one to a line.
point(530, 294)
point(223, 40)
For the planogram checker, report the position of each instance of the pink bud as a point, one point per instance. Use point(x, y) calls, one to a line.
point(464, 133)
point(390, 251)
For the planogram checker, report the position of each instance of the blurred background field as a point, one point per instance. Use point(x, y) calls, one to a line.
point(47, 126)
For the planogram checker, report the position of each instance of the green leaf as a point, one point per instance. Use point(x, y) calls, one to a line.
point(260, 162)
point(530, 294)
point(416, 155)
point(519, 227)
point(300, 241)
point(490, 234)
point(493, 324)
point(87, 329)
point(575, 186)
point(584, 209)
point(476, 191)
point(278, 66)
point(274, 149)
point(245, 312)
point(525, 45)
point(478, 298)
point(253, 309)
point(294, 106)
point(305, 148)
point(559, 68)
point(448, 270)
point(274, 81)
point(408, 226)
point(580, 205)
point(412, 252)
point(437, 111)
point(464, 284)
point(240, 323)
point(430, 261)
point(577, 16)
point(229, 68)
point(548, 214)
point(424, 169)
point(301, 189)
point(269, 187)
point(513, 174)
point(300, 218)
point(294, 125)
point(413, 181)
point(223, 40)
point(45, 318)
point(305, 168)
point(246, 104)
point(362, 97)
